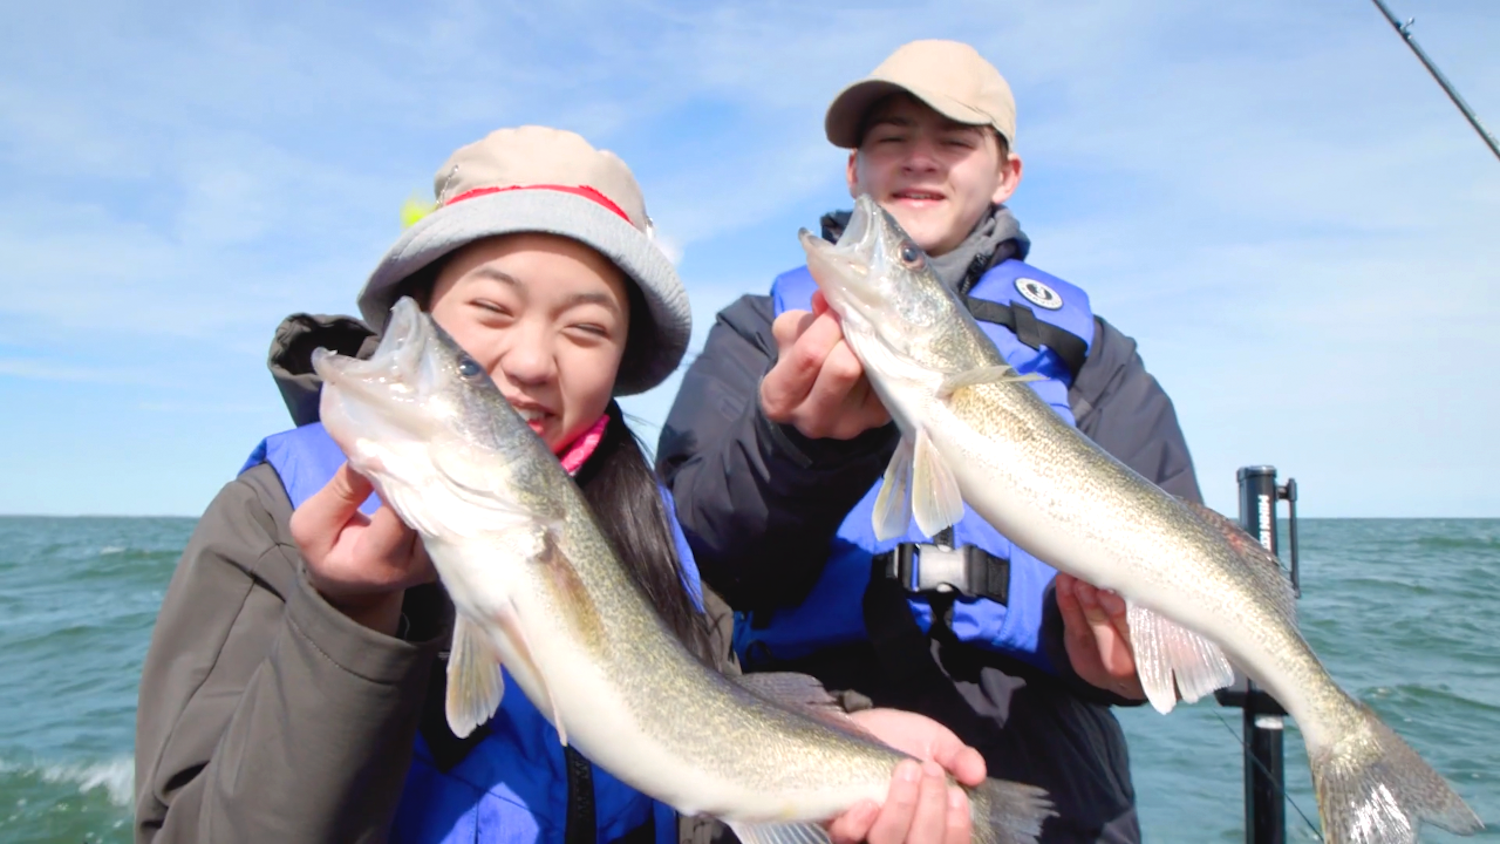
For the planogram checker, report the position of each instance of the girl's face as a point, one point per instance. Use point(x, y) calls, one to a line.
point(547, 317)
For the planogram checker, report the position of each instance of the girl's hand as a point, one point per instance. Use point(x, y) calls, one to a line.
point(362, 565)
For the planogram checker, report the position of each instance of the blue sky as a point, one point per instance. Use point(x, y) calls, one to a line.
point(1273, 198)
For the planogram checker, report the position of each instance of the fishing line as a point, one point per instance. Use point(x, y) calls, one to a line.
point(1259, 764)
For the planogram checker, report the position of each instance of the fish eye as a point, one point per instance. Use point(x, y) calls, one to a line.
point(911, 255)
point(468, 368)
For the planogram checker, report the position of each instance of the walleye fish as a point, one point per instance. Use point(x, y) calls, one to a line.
point(1199, 589)
point(538, 589)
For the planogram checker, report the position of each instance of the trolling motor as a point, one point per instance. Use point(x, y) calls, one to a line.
point(1264, 719)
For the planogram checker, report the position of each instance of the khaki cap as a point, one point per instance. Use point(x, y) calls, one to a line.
point(537, 179)
point(949, 76)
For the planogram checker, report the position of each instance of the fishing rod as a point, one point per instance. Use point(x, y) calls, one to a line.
point(1404, 29)
point(1264, 718)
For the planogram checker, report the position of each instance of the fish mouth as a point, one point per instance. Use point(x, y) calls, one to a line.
point(843, 270)
point(385, 389)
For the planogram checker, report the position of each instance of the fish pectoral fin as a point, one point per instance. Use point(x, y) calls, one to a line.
point(568, 587)
point(892, 515)
point(779, 833)
point(982, 375)
point(515, 631)
point(475, 684)
point(1171, 658)
point(936, 500)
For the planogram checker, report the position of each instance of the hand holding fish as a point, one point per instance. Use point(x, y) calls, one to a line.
point(362, 565)
point(1096, 632)
point(817, 384)
point(920, 807)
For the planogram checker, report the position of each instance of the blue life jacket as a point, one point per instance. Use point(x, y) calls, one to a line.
point(832, 613)
point(512, 786)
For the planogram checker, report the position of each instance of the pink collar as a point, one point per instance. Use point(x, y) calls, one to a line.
point(577, 453)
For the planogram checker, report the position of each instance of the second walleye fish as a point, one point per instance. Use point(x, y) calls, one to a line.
point(538, 588)
point(973, 432)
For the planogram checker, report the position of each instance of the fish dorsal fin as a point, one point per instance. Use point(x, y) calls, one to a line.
point(475, 684)
point(982, 375)
point(1263, 565)
point(892, 516)
point(804, 695)
point(936, 500)
point(1170, 658)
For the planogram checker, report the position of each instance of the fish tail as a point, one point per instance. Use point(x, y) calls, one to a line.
point(1007, 812)
point(1374, 789)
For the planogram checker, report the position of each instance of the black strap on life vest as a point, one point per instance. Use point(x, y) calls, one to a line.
point(643, 834)
point(904, 654)
point(903, 651)
point(583, 827)
point(1032, 331)
point(447, 749)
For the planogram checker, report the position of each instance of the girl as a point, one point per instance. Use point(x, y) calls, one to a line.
point(295, 682)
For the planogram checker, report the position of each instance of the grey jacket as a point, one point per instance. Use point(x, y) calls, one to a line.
point(265, 714)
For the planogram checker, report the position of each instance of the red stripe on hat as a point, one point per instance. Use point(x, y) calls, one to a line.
point(579, 190)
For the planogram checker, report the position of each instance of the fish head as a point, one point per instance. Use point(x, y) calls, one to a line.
point(890, 302)
point(426, 423)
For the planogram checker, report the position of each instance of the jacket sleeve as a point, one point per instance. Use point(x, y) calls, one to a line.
point(1121, 407)
point(265, 714)
point(758, 501)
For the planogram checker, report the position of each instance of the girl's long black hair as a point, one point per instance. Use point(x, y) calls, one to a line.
point(623, 490)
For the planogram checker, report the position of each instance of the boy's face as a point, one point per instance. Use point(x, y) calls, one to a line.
point(936, 176)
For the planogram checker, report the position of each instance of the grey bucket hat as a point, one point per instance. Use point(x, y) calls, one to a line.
point(535, 179)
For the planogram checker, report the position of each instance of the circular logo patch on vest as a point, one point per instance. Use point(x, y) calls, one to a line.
point(1039, 294)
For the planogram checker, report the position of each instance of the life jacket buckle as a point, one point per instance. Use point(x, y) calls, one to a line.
point(922, 567)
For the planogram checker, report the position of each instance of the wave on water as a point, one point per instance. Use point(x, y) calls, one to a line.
point(116, 776)
point(111, 549)
point(1460, 543)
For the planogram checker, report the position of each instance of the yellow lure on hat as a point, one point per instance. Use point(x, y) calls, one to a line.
point(413, 209)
